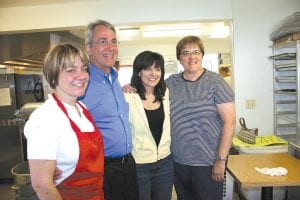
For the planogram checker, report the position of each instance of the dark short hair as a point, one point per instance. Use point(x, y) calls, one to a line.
point(187, 41)
point(142, 61)
point(89, 31)
point(58, 58)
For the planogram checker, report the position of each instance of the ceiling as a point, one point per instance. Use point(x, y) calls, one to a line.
point(206, 27)
point(166, 32)
point(21, 3)
point(201, 28)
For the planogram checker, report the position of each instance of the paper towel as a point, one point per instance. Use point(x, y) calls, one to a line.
point(276, 171)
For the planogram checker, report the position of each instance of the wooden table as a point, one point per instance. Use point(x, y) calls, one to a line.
point(242, 168)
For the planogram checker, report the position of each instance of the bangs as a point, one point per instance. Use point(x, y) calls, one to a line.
point(66, 58)
point(158, 63)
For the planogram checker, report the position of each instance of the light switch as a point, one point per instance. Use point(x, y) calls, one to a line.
point(250, 104)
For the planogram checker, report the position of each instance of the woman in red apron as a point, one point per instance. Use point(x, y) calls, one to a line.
point(61, 133)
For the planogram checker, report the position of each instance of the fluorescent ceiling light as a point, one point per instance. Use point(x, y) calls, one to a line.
point(171, 30)
point(127, 33)
point(209, 29)
point(171, 33)
point(219, 31)
point(161, 27)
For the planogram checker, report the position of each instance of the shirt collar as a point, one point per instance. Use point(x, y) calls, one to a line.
point(96, 72)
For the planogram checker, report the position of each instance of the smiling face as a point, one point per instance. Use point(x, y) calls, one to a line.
point(72, 81)
point(191, 58)
point(103, 50)
point(150, 76)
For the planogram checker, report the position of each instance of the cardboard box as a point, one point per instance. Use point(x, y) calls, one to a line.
point(288, 38)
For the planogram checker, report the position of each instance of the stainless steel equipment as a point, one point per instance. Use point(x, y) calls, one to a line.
point(15, 91)
point(22, 116)
point(293, 192)
point(22, 187)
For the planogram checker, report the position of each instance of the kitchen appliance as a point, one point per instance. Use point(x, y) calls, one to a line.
point(15, 91)
point(22, 115)
point(22, 183)
point(293, 192)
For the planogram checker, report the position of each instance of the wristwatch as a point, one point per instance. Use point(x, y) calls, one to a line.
point(220, 158)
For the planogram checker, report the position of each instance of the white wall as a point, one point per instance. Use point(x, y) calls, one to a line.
point(115, 11)
point(253, 20)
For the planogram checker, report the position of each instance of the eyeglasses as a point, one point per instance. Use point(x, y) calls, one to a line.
point(190, 53)
point(106, 42)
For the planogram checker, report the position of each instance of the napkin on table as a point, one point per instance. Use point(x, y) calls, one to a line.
point(276, 171)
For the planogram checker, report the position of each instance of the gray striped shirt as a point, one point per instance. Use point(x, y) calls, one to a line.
point(195, 122)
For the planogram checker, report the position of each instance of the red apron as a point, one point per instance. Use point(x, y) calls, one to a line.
point(87, 180)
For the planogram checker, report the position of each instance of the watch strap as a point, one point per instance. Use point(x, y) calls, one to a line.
point(220, 158)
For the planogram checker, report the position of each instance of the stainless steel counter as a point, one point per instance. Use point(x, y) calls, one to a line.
point(294, 150)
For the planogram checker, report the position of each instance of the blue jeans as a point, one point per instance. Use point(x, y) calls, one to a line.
point(195, 183)
point(155, 180)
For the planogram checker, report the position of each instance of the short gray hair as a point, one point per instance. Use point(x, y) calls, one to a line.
point(91, 27)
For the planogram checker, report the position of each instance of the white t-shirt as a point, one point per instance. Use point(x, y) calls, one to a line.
point(51, 137)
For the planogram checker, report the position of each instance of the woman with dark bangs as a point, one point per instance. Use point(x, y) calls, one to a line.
point(149, 117)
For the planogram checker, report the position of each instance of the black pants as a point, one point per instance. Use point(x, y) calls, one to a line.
point(120, 180)
point(195, 183)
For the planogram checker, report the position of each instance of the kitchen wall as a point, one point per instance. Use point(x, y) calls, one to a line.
point(78, 14)
point(253, 21)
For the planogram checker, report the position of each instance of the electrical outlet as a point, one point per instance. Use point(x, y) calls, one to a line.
point(250, 104)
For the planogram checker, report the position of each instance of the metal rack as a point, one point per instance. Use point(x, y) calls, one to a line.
point(16, 90)
point(286, 72)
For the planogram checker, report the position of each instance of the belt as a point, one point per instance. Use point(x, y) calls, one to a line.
point(122, 159)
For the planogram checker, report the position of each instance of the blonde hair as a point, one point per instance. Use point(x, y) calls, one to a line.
point(58, 58)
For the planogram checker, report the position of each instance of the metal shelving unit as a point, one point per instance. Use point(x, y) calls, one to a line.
point(286, 71)
point(286, 62)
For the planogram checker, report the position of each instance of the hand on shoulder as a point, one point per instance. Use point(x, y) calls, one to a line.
point(127, 88)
